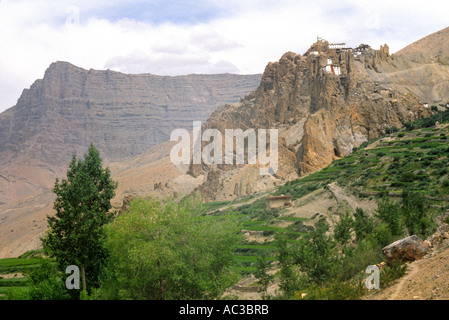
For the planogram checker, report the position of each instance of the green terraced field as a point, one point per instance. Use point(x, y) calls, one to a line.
point(416, 159)
point(17, 283)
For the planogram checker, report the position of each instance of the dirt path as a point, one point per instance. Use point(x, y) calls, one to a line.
point(399, 286)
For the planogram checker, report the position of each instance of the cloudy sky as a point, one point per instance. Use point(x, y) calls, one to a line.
point(175, 37)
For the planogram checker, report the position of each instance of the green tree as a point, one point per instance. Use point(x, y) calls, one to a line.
point(390, 213)
point(363, 224)
point(289, 280)
point(262, 271)
point(316, 255)
point(343, 229)
point(168, 251)
point(416, 216)
point(82, 205)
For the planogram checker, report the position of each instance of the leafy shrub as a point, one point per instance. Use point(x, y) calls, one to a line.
point(46, 283)
point(334, 290)
point(168, 250)
point(390, 273)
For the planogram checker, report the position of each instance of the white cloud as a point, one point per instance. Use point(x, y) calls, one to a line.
point(221, 36)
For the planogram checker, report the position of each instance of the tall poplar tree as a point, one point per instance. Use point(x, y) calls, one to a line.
point(83, 202)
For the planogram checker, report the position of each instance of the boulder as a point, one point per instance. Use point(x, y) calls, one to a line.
point(407, 249)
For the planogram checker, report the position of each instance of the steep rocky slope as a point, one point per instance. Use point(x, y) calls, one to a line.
point(421, 68)
point(435, 45)
point(324, 103)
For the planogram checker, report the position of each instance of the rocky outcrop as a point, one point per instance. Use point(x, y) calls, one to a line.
point(324, 103)
point(407, 249)
point(440, 235)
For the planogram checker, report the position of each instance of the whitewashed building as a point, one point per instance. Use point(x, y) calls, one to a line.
point(337, 46)
point(331, 68)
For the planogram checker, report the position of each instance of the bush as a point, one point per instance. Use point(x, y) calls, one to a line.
point(366, 252)
point(316, 255)
point(47, 283)
point(335, 290)
point(407, 177)
point(390, 273)
point(167, 250)
point(342, 229)
point(409, 126)
point(382, 235)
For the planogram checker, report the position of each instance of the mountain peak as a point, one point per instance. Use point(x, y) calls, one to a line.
point(435, 45)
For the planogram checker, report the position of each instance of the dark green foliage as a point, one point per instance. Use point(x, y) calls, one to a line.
point(290, 281)
point(343, 229)
point(82, 205)
point(356, 258)
point(312, 260)
point(415, 214)
point(390, 213)
point(363, 224)
point(390, 130)
point(316, 255)
point(428, 121)
point(381, 235)
point(262, 272)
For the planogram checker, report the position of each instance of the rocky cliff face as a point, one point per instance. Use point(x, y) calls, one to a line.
point(324, 103)
point(123, 115)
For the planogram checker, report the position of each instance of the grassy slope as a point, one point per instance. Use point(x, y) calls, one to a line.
point(415, 158)
point(16, 266)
